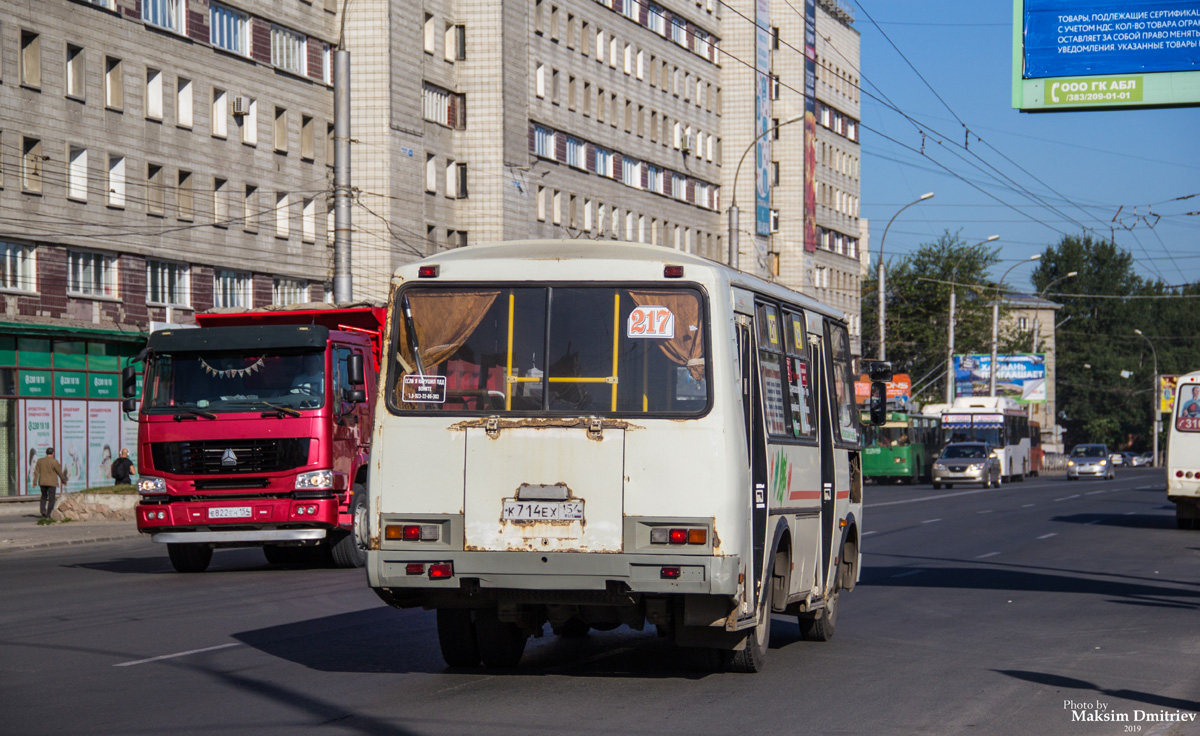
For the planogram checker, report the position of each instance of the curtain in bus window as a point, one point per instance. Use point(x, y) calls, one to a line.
point(686, 348)
point(443, 321)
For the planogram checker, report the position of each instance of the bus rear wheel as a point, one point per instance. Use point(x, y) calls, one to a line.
point(501, 643)
point(753, 657)
point(457, 638)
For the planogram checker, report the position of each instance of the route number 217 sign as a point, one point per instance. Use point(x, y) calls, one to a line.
point(648, 321)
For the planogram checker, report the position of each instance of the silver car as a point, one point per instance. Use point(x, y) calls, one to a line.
point(966, 462)
point(1089, 460)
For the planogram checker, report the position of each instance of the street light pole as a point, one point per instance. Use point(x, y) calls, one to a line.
point(996, 322)
point(1155, 413)
point(734, 241)
point(950, 336)
point(1041, 295)
point(880, 278)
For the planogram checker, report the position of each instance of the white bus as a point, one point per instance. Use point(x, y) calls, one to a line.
point(1000, 421)
point(1183, 452)
point(596, 434)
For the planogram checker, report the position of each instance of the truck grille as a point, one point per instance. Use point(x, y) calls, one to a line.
point(213, 457)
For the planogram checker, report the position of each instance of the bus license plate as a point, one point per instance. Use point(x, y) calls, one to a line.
point(542, 511)
point(229, 512)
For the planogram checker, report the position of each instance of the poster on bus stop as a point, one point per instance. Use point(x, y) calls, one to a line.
point(1021, 377)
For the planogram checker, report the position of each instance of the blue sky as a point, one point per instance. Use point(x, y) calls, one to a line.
point(1067, 170)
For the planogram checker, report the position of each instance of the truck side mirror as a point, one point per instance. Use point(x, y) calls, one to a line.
point(357, 375)
point(878, 403)
point(129, 383)
point(129, 406)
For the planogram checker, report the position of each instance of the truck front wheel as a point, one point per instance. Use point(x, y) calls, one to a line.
point(347, 549)
point(189, 557)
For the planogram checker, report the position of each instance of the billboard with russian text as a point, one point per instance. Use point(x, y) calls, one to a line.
point(1021, 377)
point(1083, 54)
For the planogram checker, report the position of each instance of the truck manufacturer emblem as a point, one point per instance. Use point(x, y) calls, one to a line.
point(229, 459)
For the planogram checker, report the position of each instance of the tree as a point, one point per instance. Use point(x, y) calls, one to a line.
point(1105, 370)
point(918, 302)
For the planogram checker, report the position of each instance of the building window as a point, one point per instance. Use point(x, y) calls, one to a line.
point(247, 121)
point(220, 202)
point(183, 102)
point(114, 84)
point(288, 50)
point(231, 289)
point(164, 14)
point(282, 218)
point(18, 267)
point(230, 29)
point(576, 152)
point(280, 130)
point(543, 141)
point(154, 94)
point(76, 86)
point(31, 164)
point(430, 173)
point(444, 107)
point(91, 274)
point(168, 284)
point(154, 189)
point(31, 59)
point(456, 180)
point(429, 33)
point(307, 138)
point(288, 291)
point(77, 173)
point(250, 209)
point(185, 197)
point(220, 113)
point(308, 221)
point(116, 181)
point(604, 162)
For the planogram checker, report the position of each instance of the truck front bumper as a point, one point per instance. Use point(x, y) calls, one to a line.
point(241, 536)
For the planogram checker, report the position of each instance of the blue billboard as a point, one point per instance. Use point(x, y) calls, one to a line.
point(1065, 38)
point(1021, 377)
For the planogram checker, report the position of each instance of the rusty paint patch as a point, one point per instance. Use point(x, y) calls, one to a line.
point(542, 423)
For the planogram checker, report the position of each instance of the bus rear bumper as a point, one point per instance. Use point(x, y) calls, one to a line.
point(529, 574)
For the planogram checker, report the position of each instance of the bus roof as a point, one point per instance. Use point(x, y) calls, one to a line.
point(591, 260)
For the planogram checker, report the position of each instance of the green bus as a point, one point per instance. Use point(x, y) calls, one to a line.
point(902, 449)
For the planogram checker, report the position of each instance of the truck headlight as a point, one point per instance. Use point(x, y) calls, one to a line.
point(316, 480)
point(151, 485)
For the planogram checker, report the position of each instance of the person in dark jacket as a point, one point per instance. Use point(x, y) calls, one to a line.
point(47, 474)
point(123, 468)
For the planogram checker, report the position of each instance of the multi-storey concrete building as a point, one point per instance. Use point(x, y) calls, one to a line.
point(165, 156)
point(157, 157)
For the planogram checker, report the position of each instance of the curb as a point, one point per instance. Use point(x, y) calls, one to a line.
point(19, 546)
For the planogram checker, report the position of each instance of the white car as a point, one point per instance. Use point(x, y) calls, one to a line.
point(1089, 460)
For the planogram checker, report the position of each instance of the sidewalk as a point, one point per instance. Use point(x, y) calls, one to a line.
point(19, 528)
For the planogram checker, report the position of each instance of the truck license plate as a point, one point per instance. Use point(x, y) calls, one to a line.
point(229, 512)
point(543, 511)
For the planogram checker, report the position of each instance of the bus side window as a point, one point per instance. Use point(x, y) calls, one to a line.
point(770, 365)
point(839, 354)
point(799, 375)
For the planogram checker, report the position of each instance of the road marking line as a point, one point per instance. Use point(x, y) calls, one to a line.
point(178, 654)
point(1129, 513)
point(1028, 505)
point(985, 511)
point(989, 554)
point(1092, 493)
point(1096, 521)
point(1067, 498)
point(930, 521)
point(1047, 536)
point(906, 574)
point(867, 534)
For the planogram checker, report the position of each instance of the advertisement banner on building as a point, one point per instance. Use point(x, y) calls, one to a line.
point(898, 389)
point(36, 422)
point(104, 434)
point(129, 434)
point(762, 121)
point(1021, 377)
point(73, 443)
point(1166, 393)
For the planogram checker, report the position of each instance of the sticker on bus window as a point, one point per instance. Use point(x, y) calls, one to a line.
point(772, 329)
point(798, 333)
point(656, 322)
point(417, 389)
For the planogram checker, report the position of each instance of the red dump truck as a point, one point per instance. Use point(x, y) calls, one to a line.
point(254, 429)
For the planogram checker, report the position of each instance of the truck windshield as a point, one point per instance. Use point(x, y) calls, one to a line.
point(235, 382)
point(597, 350)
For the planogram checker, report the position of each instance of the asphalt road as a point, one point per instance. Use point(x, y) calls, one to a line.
point(1025, 609)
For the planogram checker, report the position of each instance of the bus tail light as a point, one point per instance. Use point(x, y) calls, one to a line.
point(670, 572)
point(427, 272)
point(414, 568)
point(441, 571)
point(413, 532)
point(673, 272)
point(664, 535)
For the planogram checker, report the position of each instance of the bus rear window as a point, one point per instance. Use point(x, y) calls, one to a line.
point(559, 350)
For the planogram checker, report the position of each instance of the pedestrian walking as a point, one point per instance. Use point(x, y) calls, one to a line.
point(47, 474)
point(123, 468)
